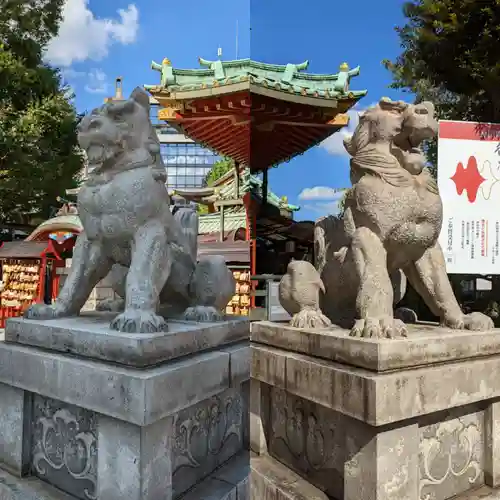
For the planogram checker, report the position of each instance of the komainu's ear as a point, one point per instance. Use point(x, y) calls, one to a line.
point(140, 96)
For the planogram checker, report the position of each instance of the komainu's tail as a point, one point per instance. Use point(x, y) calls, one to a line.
point(187, 221)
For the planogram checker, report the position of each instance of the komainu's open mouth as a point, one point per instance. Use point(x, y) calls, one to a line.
point(414, 142)
point(95, 153)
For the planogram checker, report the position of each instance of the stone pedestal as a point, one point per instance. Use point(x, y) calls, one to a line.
point(337, 417)
point(88, 413)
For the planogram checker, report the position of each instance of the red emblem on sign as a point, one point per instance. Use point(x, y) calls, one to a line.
point(468, 179)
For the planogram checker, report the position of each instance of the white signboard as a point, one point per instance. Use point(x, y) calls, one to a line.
point(469, 184)
point(275, 311)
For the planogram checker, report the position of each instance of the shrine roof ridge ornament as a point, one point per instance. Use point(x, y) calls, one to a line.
point(289, 78)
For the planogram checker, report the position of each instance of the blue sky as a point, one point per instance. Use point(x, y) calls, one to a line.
point(102, 39)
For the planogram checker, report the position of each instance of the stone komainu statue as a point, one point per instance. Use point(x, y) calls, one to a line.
point(390, 228)
point(130, 231)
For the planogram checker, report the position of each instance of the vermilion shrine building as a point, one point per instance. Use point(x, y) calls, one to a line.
point(260, 115)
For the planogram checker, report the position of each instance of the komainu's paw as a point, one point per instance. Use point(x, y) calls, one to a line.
point(310, 318)
point(454, 322)
point(202, 314)
point(111, 305)
point(136, 321)
point(477, 322)
point(380, 328)
point(44, 311)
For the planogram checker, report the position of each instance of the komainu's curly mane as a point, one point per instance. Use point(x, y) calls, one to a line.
point(370, 149)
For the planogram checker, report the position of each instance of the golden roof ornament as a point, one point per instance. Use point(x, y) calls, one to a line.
point(344, 67)
point(166, 62)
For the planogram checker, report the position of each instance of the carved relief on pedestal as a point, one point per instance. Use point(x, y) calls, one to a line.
point(64, 450)
point(205, 436)
point(309, 439)
point(451, 456)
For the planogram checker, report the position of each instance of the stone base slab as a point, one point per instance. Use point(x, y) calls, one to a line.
point(269, 479)
point(89, 336)
point(484, 493)
point(425, 345)
point(230, 482)
point(14, 488)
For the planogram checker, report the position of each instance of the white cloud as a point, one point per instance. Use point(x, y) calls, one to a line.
point(97, 82)
point(82, 36)
point(327, 208)
point(328, 199)
point(335, 143)
point(320, 193)
point(71, 74)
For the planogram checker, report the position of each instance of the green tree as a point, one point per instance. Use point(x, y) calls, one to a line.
point(39, 154)
point(342, 202)
point(219, 169)
point(450, 56)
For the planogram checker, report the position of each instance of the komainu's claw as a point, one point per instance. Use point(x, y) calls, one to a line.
point(137, 321)
point(379, 328)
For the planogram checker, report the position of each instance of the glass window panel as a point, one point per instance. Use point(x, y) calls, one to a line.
point(181, 160)
point(171, 159)
point(191, 149)
point(182, 149)
point(191, 181)
point(181, 171)
point(190, 171)
point(190, 160)
point(154, 114)
point(200, 160)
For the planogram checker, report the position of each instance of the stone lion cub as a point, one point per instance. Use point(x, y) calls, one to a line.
point(129, 229)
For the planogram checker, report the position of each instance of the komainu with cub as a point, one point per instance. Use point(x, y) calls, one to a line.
point(130, 231)
point(390, 229)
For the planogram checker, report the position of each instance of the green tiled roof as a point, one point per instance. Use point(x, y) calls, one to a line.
point(288, 78)
point(210, 223)
point(253, 184)
point(250, 183)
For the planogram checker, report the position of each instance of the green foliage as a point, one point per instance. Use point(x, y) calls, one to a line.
point(450, 56)
point(342, 202)
point(219, 169)
point(39, 155)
